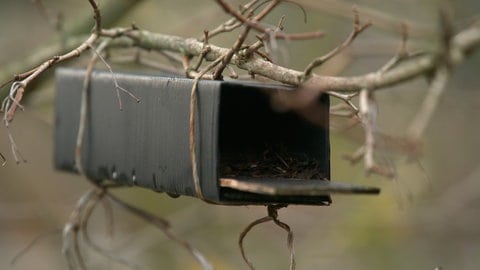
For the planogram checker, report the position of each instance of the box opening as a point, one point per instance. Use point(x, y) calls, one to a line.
point(260, 144)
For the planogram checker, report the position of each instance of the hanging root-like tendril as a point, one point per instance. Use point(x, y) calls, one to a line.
point(165, 227)
point(272, 216)
point(76, 229)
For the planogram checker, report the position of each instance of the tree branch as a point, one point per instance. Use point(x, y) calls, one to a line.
point(262, 29)
point(357, 29)
point(463, 44)
point(75, 33)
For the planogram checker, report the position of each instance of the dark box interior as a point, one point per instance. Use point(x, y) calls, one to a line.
point(256, 142)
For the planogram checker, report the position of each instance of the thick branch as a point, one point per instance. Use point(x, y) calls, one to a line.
point(463, 43)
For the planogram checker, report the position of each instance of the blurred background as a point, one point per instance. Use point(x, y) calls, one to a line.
point(428, 218)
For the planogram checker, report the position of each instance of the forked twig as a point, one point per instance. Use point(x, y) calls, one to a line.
point(17, 155)
point(12, 102)
point(357, 29)
point(164, 226)
point(71, 229)
point(87, 212)
point(347, 98)
point(368, 116)
point(77, 226)
point(228, 57)
point(437, 84)
point(232, 23)
point(118, 88)
point(262, 29)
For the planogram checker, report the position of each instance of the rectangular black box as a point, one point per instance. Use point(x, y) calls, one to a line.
point(239, 136)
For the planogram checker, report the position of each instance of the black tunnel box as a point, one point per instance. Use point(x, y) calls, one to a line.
point(248, 153)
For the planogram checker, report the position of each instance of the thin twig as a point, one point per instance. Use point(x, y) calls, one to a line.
point(356, 156)
point(83, 228)
point(17, 155)
point(437, 86)
point(241, 39)
point(232, 23)
point(368, 116)
point(258, 27)
point(347, 98)
point(402, 52)
point(164, 226)
point(205, 50)
point(357, 29)
point(35, 72)
point(228, 57)
point(464, 42)
point(83, 114)
point(40, 69)
point(118, 88)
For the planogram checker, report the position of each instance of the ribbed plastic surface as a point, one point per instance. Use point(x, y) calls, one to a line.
point(147, 144)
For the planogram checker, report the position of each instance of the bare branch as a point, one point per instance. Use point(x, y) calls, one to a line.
point(368, 116)
point(357, 29)
point(228, 57)
point(463, 43)
point(11, 107)
point(118, 88)
point(347, 98)
point(258, 27)
point(83, 111)
point(417, 127)
point(96, 16)
point(164, 226)
point(232, 23)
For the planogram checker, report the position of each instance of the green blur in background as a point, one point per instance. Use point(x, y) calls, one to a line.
point(429, 217)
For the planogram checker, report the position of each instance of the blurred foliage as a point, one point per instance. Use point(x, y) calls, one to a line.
point(414, 224)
